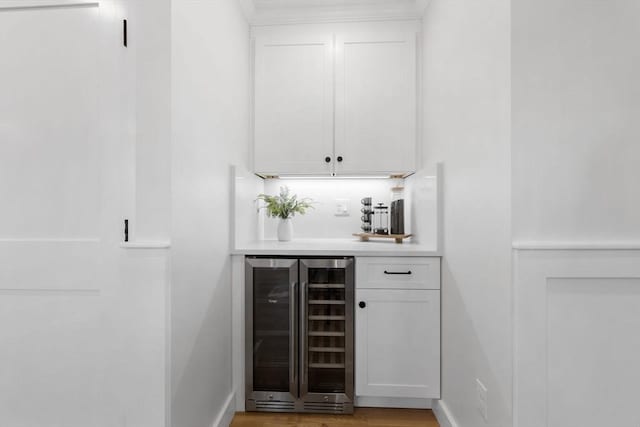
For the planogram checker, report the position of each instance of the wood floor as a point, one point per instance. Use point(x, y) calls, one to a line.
point(363, 417)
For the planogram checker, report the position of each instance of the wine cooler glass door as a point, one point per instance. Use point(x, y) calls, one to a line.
point(272, 332)
point(326, 322)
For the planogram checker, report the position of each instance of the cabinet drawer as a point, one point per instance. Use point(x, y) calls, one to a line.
point(397, 273)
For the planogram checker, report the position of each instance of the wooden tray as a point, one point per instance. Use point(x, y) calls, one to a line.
point(364, 237)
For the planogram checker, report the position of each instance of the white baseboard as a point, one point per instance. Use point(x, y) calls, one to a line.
point(225, 416)
point(443, 414)
point(392, 402)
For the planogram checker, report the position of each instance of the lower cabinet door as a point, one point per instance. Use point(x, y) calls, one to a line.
point(398, 343)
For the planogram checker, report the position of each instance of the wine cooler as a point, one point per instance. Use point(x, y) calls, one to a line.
point(299, 335)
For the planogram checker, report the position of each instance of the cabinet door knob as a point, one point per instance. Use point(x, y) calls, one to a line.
point(362, 304)
point(339, 158)
point(327, 159)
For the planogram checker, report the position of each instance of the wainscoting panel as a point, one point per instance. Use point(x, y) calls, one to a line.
point(82, 321)
point(53, 365)
point(62, 265)
point(593, 335)
point(52, 151)
point(577, 346)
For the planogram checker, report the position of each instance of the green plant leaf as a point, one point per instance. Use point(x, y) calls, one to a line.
point(283, 205)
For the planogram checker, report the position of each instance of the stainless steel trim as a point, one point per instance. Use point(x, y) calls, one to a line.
point(271, 263)
point(304, 355)
point(251, 396)
point(326, 263)
point(274, 396)
point(348, 265)
point(328, 397)
point(293, 342)
point(299, 399)
point(270, 406)
point(349, 332)
point(248, 336)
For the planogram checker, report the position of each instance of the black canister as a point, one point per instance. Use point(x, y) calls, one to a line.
point(397, 210)
point(397, 217)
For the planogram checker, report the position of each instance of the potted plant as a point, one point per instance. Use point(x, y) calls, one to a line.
point(284, 206)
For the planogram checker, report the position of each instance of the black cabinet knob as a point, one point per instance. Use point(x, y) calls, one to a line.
point(362, 304)
point(327, 159)
point(339, 158)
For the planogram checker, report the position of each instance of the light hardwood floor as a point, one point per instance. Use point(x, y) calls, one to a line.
point(363, 417)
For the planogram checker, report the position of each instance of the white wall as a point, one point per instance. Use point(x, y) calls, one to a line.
point(145, 272)
point(149, 32)
point(248, 225)
point(466, 126)
point(576, 102)
point(210, 76)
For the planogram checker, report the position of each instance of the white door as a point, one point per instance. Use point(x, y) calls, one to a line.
point(61, 142)
point(398, 343)
point(293, 119)
point(376, 103)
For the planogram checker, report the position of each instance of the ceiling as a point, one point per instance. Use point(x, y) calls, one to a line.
point(285, 11)
point(259, 4)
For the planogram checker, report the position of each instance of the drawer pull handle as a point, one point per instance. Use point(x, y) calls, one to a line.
point(397, 272)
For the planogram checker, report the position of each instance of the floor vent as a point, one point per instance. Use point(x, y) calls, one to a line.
point(269, 405)
point(334, 408)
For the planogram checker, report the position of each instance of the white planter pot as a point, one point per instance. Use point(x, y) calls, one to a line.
point(285, 230)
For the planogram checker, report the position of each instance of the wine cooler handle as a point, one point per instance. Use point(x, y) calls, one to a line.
point(303, 337)
point(293, 327)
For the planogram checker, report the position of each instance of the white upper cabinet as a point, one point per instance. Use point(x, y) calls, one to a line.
point(376, 103)
point(293, 123)
point(341, 101)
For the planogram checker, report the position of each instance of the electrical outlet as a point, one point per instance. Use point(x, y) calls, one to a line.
point(342, 207)
point(482, 400)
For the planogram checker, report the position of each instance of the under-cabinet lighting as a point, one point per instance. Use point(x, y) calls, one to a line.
point(318, 178)
point(333, 177)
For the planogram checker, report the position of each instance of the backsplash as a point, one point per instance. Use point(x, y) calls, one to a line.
point(423, 206)
point(322, 222)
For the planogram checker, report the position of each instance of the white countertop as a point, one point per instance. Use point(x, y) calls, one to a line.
point(331, 247)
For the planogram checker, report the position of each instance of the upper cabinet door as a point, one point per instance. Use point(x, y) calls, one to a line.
point(376, 103)
point(293, 120)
